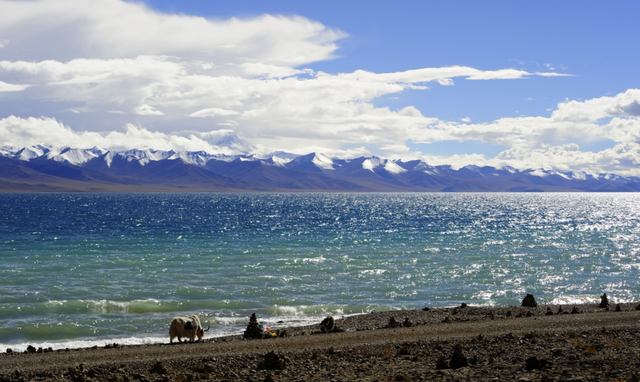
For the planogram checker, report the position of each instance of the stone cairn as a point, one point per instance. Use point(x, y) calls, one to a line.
point(529, 301)
point(393, 323)
point(604, 301)
point(457, 360)
point(253, 329)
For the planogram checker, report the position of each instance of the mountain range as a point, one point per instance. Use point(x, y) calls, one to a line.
point(48, 169)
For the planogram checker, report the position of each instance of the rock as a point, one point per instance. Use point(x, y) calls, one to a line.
point(533, 363)
point(328, 325)
point(9, 350)
point(458, 359)
point(529, 301)
point(463, 305)
point(253, 329)
point(31, 349)
point(140, 377)
point(407, 323)
point(442, 363)
point(426, 308)
point(158, 368)
point(604, 301)
point(273, 361)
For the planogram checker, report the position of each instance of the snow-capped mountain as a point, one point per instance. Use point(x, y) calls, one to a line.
point(46, 169)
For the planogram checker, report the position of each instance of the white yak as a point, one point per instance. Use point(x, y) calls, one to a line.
point(187, 327)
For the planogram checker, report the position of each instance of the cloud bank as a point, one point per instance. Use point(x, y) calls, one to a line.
point(161, 76)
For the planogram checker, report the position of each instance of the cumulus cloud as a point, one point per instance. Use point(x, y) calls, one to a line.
point(5, 87)
point(212, 112)
point(114, 28)
point(21, 132)
point(294, 103)
point(550, 143)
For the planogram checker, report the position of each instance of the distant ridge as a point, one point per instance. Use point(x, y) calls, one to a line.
point(46, 169)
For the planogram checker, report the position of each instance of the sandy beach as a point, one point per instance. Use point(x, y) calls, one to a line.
point(466, 343)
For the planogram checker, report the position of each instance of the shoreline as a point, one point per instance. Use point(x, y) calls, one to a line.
point(494, 342)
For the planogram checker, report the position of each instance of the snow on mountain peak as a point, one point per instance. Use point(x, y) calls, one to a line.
point(31, 152)
point(323, 162)
point(389, 165)
point(393, 168)
point(75, 156)
point(198, 158)
point(280, 161)
point(371, 163)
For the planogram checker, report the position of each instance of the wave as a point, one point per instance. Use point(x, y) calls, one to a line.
point(146, 306)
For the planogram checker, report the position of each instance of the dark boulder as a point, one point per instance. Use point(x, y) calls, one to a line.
point(328, 325)
point(273, 361)
point(533, 363)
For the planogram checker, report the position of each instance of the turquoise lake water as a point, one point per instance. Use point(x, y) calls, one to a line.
point(92, 269)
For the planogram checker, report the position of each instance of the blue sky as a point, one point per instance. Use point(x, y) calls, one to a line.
point(502, 83)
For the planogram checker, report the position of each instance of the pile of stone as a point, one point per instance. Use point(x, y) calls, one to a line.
point(604, 301)
point(393, 323)
point(457, 360)
point(529, 301)
point(253, 329)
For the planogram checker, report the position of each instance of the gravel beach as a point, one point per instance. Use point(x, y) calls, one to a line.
point(466, 343)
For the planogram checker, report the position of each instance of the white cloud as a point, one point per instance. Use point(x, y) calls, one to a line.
point(113, 28)
point(5, 87)
point(21, 132)
point(294, 103)
point(147, 110)
point(212, 112)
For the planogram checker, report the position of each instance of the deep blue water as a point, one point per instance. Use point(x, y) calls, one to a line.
point(85, 269)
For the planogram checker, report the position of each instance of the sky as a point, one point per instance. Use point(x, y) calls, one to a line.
point(543, 84)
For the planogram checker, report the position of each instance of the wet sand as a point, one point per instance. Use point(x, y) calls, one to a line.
point(455, 344)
